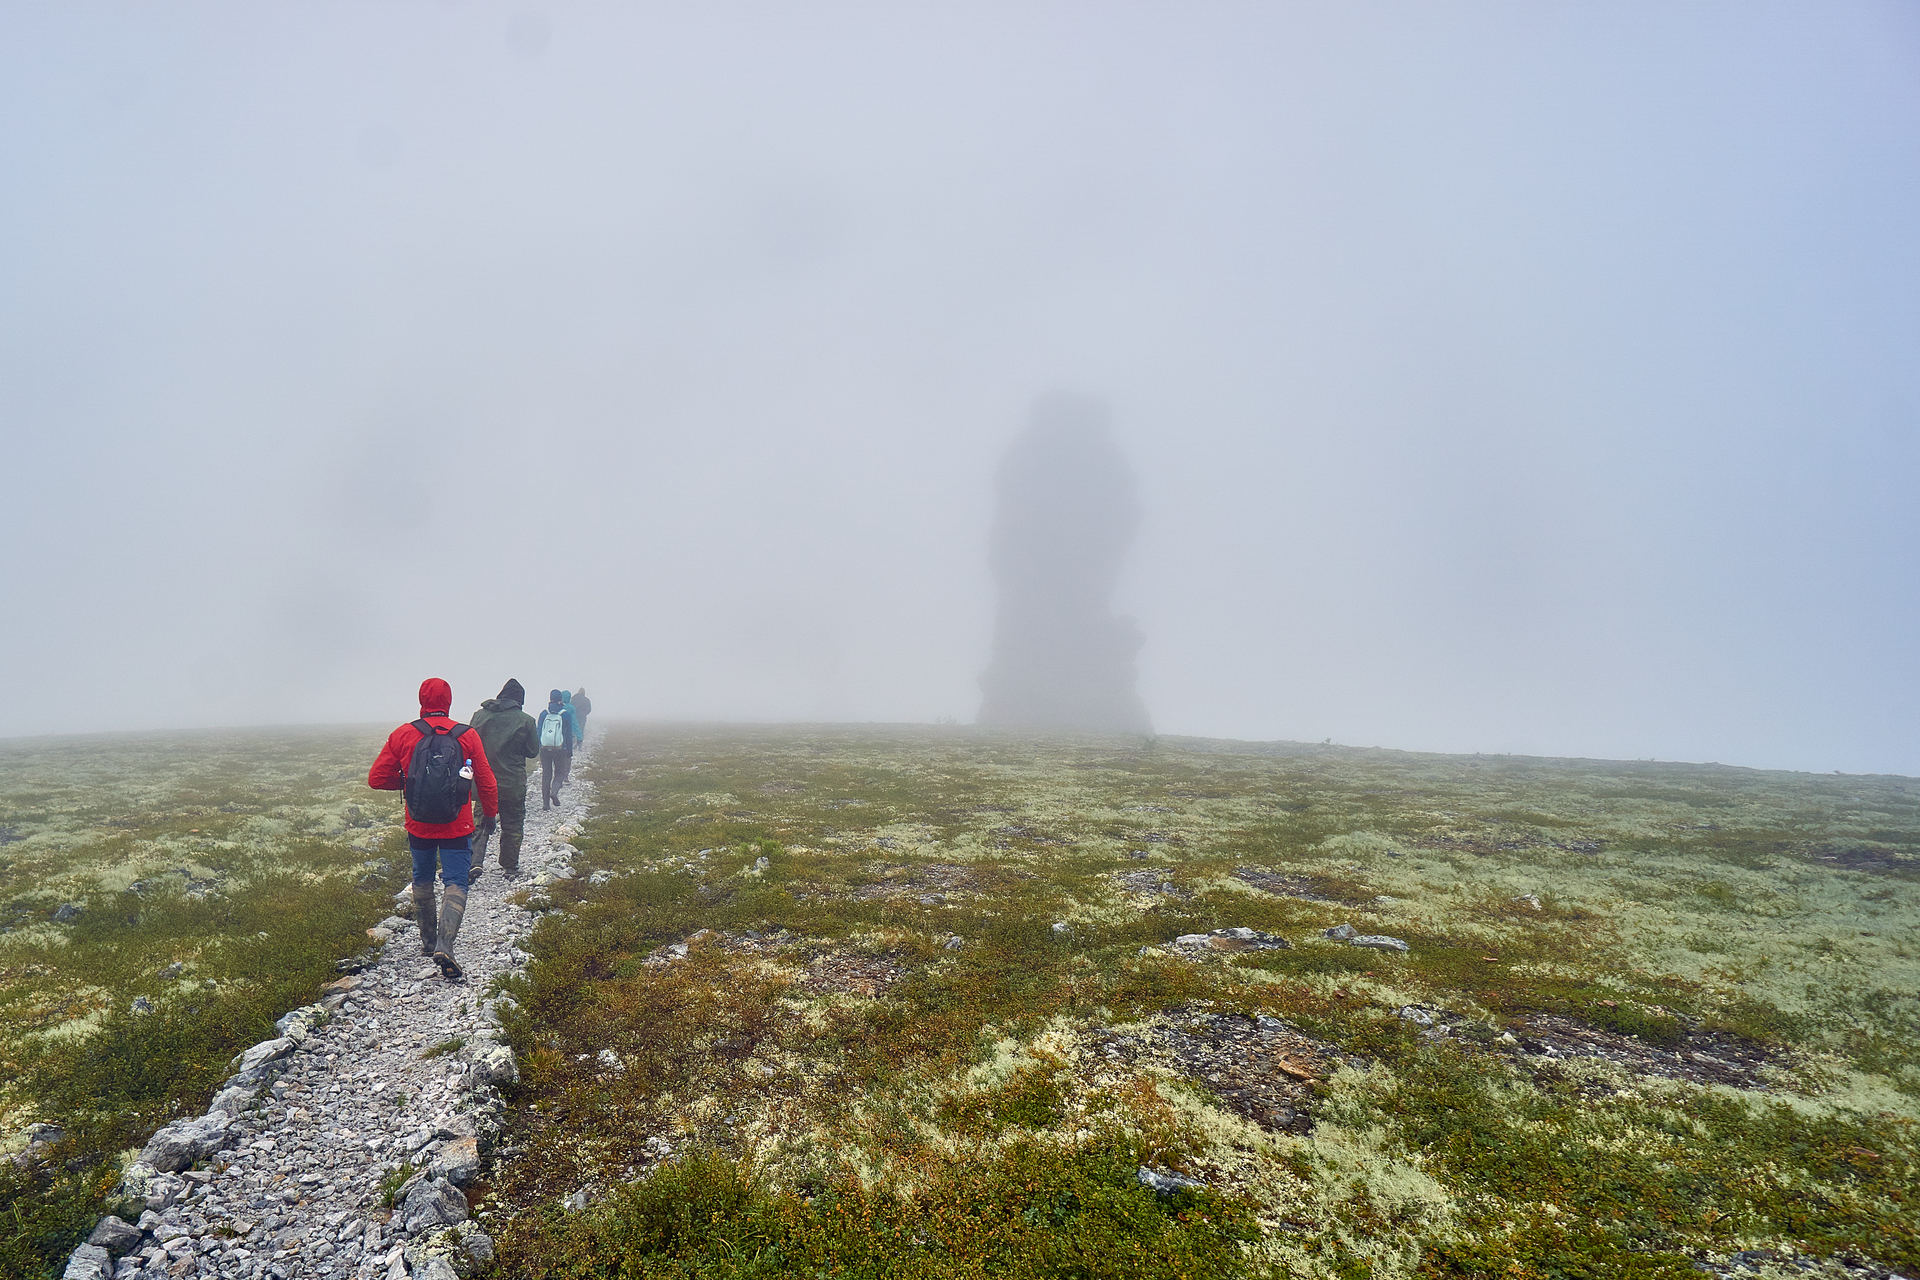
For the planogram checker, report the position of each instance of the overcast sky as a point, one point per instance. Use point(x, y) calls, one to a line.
point(1498, 377)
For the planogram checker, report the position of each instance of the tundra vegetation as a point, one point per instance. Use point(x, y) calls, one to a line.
point(938, 1003)
point(945, 1003)
point(162, 900)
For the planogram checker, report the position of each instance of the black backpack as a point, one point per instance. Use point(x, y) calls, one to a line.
point(435, 790)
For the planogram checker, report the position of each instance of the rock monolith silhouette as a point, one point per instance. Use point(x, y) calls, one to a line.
point(1065, 513)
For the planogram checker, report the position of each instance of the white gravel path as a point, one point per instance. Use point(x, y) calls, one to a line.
point(293, 1184)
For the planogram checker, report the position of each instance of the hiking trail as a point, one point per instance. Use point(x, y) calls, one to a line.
point(388, 1087)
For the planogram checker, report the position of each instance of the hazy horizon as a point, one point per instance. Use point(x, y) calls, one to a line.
point(1495, 379)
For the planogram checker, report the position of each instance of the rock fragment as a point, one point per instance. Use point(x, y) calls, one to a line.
point(116, 1235)
point(1165, 1183)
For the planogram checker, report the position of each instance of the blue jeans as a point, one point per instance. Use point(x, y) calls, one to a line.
point(455, 858)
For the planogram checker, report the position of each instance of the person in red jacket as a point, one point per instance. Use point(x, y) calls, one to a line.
point(436, 762)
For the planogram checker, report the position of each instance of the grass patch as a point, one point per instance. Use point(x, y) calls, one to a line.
point(1033, 1211)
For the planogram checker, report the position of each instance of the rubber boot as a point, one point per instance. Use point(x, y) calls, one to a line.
point(510, 855)
point(423, 913)
point(480, 839)
point(453, 905)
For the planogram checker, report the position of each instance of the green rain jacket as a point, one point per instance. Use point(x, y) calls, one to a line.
point(508, 734)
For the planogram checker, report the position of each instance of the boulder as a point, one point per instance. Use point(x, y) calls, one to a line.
point(181, 1143)
point(234, 1099)
point(116, 1235)
point(492, 1062)
point(68, 912)
point(1339, 932)
point(457, 1161)
point(261, 1054)
point(435, 1269)
point(298, 1024)
point(162, 1190)
point(474, 1242)
point(89, 1262)
point(433, 1202)
point(1378, 942)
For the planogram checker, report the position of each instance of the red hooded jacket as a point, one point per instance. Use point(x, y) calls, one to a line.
point(389, 772)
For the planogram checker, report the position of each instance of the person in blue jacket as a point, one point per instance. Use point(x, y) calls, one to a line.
point(557, 734)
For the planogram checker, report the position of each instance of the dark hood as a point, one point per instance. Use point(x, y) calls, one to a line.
point(512, 692)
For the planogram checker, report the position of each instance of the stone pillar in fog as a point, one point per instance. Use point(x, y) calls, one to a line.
point(1065, 514)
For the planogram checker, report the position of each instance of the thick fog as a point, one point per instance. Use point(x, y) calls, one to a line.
point(1492, 377)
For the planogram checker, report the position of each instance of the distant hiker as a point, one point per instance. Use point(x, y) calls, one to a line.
point(582, 708)
point(556, 730)
point(436, 762)
point(512, 739)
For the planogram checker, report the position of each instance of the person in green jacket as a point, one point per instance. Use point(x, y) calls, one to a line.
point(509, 735)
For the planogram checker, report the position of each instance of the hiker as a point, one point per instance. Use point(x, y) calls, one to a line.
point(579, 731)
point(556, 747)
point(511, 739)
point(436, 762)
point(582, 707)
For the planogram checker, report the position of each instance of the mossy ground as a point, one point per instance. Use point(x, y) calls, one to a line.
point(219, 876)
point(826, 1083)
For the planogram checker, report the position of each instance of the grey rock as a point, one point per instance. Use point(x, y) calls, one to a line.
point(1339, 932)
point(181, 1143)
point(89, 1262)
point(1061, 928)
point(1239, 938)
point(492, 1063)
point(475, 1243)
point(234, 1099)
point(1529, 900)
point(578, 1200)
point(140, 1005)
point(68, 912)
point(115, 1235)
point(1165, 1183)
point(1416, 1015)
point(433, 1202)
point(436, 1269)
point(261, 1054)
point(457, 1161)
point(1378, 942)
